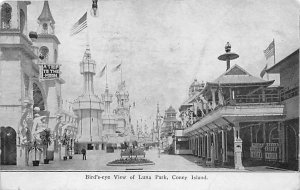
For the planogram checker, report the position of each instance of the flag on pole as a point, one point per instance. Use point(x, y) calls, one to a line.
point(263, 72)
point(102, 72)
point(270, 51)
point(117, 68)
point(79, 25)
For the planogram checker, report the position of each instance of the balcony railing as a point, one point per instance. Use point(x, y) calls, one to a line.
point(287, 94)
point(239, 100)
point(256, 98)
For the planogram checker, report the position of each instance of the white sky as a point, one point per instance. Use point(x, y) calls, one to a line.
point(165, 44)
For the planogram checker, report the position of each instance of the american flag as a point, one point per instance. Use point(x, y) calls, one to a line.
point(270, 51)
point(79, 25)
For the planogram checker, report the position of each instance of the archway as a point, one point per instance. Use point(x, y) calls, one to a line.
point(8, 146)
point(38, 98)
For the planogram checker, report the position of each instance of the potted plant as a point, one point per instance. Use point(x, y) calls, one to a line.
point(35, 147)
point(46, 141)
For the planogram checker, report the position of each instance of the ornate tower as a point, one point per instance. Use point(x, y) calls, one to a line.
point(47, 46)
point(123, 110)
point(88, 107)
point(108, 119)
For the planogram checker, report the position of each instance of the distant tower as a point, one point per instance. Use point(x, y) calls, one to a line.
point(123, 109)
point(88, 106)
point(108, 119)
point(195, 87)
point(228, 55)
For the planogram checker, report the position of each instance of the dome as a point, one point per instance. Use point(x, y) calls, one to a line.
point(196, 87)
point(170, 110)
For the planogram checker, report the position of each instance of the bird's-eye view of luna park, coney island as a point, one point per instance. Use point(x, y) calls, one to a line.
point(162, 85)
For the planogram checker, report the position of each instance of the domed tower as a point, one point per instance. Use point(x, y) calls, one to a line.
point(88, 107)
point(195, 87)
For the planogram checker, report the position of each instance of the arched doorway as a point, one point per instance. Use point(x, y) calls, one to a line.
point(8, 146)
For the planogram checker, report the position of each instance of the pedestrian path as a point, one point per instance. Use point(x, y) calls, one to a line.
point(97, 160)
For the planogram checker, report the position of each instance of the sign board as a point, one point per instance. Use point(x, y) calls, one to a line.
point(182, 139)
point(49, 71)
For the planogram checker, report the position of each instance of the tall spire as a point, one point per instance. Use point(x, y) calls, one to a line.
point(46, 14)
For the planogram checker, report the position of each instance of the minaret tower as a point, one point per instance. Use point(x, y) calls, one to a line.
point(107, 99)
point(88, 107)
point(108, 119)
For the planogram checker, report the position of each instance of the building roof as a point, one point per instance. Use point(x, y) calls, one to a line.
point(170, 110)
point(237, 75)
point(46, 14)
point(285, 62)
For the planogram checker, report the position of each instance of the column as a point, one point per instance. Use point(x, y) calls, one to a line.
point(223, 147)
point(175, 145)
point(208, 146)
point(213, 93)
point(238, 148)
point(203, 145)
point(263, 95)
point(226, 155)
point(281, 128)
point(212, 148)
point(217, 145)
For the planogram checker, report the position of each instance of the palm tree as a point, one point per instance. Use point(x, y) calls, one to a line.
point(45, 136)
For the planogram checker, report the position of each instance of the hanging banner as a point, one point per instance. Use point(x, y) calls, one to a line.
point(49, 71)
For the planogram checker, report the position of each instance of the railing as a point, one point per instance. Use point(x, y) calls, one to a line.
point(266, 151)
point(268, 98)
point(257, 98)
point(286, 94)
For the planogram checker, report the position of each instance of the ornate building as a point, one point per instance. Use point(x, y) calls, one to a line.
point(241, 120)
point(21, 87)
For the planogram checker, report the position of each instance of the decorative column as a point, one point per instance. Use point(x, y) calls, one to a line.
point(213, 147)
point(213, 93)
point(223, 147)
point(208, 145)
point(238, 148)
point(281, 130)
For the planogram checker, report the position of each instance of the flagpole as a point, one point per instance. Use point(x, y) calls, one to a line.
point(274, 51)
point(121, 72)
point(106, 75)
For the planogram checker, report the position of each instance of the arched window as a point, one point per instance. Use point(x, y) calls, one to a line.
point(55, 56)
point(22, 20)
point(5, 16)
point(44, 52)
point(45, 28)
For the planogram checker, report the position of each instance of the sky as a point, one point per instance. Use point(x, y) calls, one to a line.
point(164, 45)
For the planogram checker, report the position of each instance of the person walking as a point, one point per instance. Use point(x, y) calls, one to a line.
point(83, 151)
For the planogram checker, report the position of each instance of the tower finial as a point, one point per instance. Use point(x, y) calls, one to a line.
point(46, 14)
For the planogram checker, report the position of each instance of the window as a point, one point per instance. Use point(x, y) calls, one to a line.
point(43, 52)
point(22, 20)
point(55, 56)
point(5, 16)
point(45, 28)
